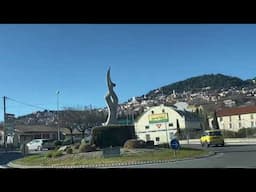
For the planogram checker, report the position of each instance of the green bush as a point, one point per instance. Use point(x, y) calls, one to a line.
point(133, 143)
point(69, 151)
point(76, 145)
point(242, 133)
point(57, 154)
point(49, 154)
point(112, 135)
point(57, 143)
point(85, 141)
point(229, 134)
point(86, 148)
point(24, 149)
point(163, 145)
point(54, 153)
point(246, 132)
point(67, 141)
point(150, 144)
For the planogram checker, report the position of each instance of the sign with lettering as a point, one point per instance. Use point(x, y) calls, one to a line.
point(158, 118)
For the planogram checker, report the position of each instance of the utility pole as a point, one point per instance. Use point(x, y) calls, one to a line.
point(58, 126)
point(5, 132)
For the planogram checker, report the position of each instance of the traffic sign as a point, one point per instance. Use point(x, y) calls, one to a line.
point(175, 144)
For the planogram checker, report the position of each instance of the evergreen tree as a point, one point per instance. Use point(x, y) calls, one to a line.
point(215, 123)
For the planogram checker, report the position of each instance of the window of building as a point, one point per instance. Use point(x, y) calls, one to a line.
point(46, 136)
point(37, 137)
point(157, 139)
point(170, 124)
point(146, 127)
point(221, 119)
point(54, 136)
point(163, 110)
point(152, 112)
point(230, 125)
point(230, 118)
point(240, 125)
point(252, 124)
point(239, 117)
point(251, 116)
point(147, 137)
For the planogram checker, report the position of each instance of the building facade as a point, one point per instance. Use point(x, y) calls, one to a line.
point(234, 119)
point(160, 123)
point(1, 136)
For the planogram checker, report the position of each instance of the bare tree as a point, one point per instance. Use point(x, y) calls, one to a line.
point(68, 119)
point(215, 123)
point(90, 118)
point(81, 120)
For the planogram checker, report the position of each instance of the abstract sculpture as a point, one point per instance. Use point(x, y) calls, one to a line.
point(112, 101)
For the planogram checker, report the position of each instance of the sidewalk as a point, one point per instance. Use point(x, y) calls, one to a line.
point(229, 141)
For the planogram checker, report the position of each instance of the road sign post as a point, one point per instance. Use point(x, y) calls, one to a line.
point(175, 145)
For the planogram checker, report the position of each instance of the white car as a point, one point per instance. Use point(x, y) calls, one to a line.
point(36, 144)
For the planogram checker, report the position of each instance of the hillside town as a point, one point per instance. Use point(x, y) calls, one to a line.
point(205, 99)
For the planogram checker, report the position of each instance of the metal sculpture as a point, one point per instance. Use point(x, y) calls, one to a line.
point(112, 101)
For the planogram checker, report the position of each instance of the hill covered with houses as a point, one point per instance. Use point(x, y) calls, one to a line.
point(212, 91)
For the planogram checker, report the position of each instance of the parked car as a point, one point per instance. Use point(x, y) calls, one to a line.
point(36, 144)
point(212, 137)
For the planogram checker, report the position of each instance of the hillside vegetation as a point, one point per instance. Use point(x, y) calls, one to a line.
point(213, 81)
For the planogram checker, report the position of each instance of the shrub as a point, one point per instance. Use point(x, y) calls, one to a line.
point(242, 133)
point(49, 154)
point(163, 145)
point(54, 154)
point(24, 149)
point(57, 154)
point(112, 135)
point(67, 141)
point(57, 143)
point(77, 145)
point(229, 134)
point(69, 151)
point(133, 143)
point(85, 141)
point(150, 144)
point(86, 148)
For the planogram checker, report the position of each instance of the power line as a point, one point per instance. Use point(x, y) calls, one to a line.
point(30, 105)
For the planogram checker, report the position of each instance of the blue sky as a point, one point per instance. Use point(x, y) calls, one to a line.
point(38, 59)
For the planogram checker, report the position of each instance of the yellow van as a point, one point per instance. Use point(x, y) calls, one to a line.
point(212, 137)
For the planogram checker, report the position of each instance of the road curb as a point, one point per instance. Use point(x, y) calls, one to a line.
point(110, 165)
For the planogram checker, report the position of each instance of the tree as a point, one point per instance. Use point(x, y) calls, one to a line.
point(88, 119)
point(67, 119)
point(178, 127)
point(81, 120)
point(205, 121)
point(215, 123)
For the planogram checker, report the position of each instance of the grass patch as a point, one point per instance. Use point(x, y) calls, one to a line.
point(79, 159)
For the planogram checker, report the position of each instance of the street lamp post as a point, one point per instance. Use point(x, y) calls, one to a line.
point(58, 126)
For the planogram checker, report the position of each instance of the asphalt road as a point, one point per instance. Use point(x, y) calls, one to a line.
point(243, 156)
point(6, 157)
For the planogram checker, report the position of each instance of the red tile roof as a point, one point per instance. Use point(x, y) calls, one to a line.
point(236, 111)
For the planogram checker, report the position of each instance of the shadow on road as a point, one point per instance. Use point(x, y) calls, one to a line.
point(6, 157)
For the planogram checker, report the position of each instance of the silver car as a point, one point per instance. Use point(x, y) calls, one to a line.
point(36, 144)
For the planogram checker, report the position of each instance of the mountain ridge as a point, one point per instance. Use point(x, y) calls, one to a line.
point(212, 81)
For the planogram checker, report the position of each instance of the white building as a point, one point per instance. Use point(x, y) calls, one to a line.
point(1, 136)
point(159, 123)
point(234, 119)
